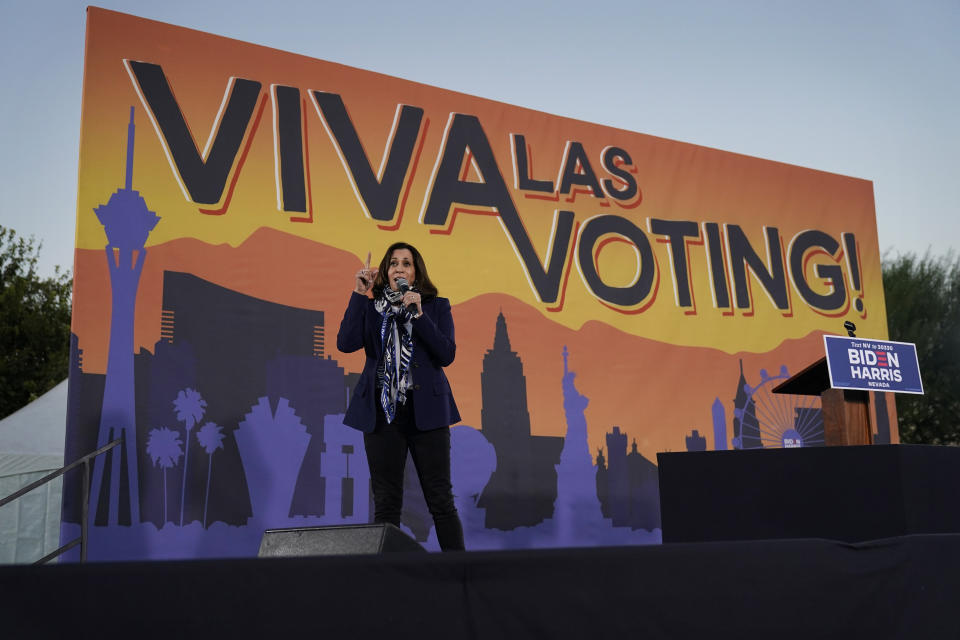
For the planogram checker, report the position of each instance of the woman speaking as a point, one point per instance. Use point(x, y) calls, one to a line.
point(403, 401)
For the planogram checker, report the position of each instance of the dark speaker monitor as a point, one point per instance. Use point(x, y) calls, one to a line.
point(336, 540)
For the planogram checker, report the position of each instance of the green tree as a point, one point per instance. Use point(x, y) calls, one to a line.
point(923, 307)
point(34, 324)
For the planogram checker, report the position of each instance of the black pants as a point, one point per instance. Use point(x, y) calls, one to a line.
point(387, 450)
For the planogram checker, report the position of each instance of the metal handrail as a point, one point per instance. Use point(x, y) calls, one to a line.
point(84, 517)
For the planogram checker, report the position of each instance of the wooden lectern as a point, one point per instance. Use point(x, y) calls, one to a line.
point(846, 413)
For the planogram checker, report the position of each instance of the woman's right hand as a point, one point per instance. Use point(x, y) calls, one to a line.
point(365, 278)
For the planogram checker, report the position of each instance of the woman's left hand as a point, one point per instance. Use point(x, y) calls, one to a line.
point(412, 297)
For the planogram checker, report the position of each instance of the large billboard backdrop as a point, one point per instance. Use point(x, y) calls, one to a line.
point(615, 295)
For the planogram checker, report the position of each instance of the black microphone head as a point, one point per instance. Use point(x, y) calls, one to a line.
point(402, 285)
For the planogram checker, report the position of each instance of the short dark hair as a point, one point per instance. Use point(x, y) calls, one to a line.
point(422, 283)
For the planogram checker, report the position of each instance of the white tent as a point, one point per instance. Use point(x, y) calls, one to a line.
point(31, 446)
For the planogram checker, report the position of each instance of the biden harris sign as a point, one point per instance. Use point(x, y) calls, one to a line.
point(873, 365)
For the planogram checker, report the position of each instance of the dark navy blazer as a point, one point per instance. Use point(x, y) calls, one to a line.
point(433, 348)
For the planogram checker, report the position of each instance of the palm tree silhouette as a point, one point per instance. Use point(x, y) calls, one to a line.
point(190, 407)
point(210, 436)
point(163, 447)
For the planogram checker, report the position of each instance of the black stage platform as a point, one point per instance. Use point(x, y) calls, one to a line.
point(838, 493)
point(905, 587)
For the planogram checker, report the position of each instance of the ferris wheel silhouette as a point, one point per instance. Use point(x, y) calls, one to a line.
point(773, 420)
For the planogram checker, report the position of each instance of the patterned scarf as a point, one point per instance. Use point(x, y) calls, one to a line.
point(395, 329)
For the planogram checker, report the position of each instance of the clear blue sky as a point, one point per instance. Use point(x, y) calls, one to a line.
point(869, 89)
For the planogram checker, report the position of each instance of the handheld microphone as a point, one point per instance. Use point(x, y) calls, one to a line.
point(404, 287)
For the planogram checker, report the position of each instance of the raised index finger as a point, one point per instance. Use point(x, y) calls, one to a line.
point(368, 260)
